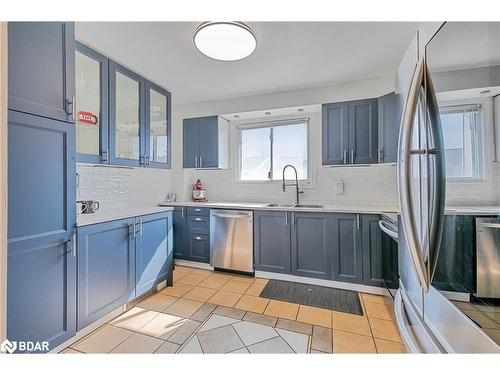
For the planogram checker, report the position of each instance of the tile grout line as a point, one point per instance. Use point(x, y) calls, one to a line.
point(369, 324)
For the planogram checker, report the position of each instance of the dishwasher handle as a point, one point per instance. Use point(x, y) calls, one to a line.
point(238, 215)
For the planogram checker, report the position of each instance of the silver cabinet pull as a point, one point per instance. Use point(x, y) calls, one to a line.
point(140, 227)
point(73, 239)
point(197, 209)
point(345, 156)
point(182, 212)
point(134, 227)
point(286, 219)
point(201, 161)
point(72, 104)
point(196, 161)
point(198, 219)
point(198, 238)
point(104, 155)
point(352, 156)
point(358, 225)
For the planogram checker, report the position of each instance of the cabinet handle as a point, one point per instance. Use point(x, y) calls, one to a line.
point(345, 156)
point(140, 227)
point(73, 239)
point(104, 155)
point(182, 212)
point(293, 218)
point(134, 226)
point(71, 103)
point(147, 160)
point(352, 156)
point(201, 161)
point(381, 154)
point(197, 209)
point(196, 161)
point(286, 219)
point(358, 224)
point(198, 238)
point(198, 219)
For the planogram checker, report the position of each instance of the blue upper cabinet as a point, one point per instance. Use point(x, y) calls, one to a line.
point(158, 126)
point(91, 77)
point(350, 132)
point(335, 134)
point(206, 141)
point(41, 294)
point(363, 131)
point(153, 248)
point(388, 128)
point(106, 269)
point(127, 131)
point(41, 69)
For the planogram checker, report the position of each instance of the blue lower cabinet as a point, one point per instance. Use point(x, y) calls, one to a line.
point(272, 241)
point(374, 267)
point(311, 245)
point(153, 249)
point(347, 250)
point(179, 229)
point(106, 269)
point(198, 247)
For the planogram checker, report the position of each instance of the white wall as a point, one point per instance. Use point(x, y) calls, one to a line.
point(3, 180)
point(117, 188)
point(368, 186)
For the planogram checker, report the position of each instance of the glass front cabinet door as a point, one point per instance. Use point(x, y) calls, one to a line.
point(91, 73)
point(127, 118)
point(158, 126)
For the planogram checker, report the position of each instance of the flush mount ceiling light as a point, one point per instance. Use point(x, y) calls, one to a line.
point(225, 41)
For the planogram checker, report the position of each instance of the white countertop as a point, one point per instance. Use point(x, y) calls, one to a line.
point(101, 217)
point(450, 210)
point(264, 206)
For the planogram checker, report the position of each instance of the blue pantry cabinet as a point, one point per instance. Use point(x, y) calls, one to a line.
point(42, 69)
point(272, 247)
point(41, 282)
point(119, 261)
point(106, 269)
point(153, 249)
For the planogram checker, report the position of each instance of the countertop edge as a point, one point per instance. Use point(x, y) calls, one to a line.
point(119, 215)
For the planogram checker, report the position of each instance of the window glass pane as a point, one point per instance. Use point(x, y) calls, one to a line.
point(158, 142)
point(127, 117)
point(290, 147)
point(460, 135)
point(88, 100)
point(255, 154)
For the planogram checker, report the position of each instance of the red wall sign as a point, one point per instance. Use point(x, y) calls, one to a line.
point(87, 118)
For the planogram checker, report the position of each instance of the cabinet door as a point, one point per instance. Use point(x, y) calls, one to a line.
point(455, 265)
point(388, 128)
point(335, 133)
point(190, 143)
point(179, 229)
point(158, 125)
point(363, 132)
point(198, 247)
point(152, 250)
point(311, 245)
point(41, 285)
point(91, 72)
point(208, 142)
point(105, 269)
point(272, 241)
point(126, 116)
point(373, 271)
point(347, 250)
point(41, 69)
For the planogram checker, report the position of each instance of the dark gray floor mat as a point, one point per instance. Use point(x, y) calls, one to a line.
point(312, 295)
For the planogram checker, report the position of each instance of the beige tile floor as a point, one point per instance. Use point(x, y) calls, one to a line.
point(485, 316)
point(211, 312)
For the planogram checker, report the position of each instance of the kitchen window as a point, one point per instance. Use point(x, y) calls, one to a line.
point(265, 148)
point(462, 136)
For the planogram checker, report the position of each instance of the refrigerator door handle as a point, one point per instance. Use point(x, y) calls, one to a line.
point(404, 176)
point(436, 164)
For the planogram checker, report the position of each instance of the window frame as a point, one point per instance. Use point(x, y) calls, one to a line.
point(272, 123)
point(483, 117)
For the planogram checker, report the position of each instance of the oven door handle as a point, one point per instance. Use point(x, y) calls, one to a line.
point(387, 230)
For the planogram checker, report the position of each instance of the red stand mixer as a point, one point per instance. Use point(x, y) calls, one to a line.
point(199, 192)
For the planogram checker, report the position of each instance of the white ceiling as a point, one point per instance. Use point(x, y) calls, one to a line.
point(289, 55)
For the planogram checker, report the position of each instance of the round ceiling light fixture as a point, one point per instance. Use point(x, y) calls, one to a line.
point(225, 41)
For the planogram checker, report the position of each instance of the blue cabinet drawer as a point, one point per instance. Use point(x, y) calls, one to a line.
point(198, 224)
point(198, 211)
point(199, 247)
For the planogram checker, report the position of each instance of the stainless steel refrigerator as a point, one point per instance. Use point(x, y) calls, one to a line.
point(448, 84)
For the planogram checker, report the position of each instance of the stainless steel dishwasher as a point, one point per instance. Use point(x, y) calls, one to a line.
point(231, 240)
point(488, 257)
